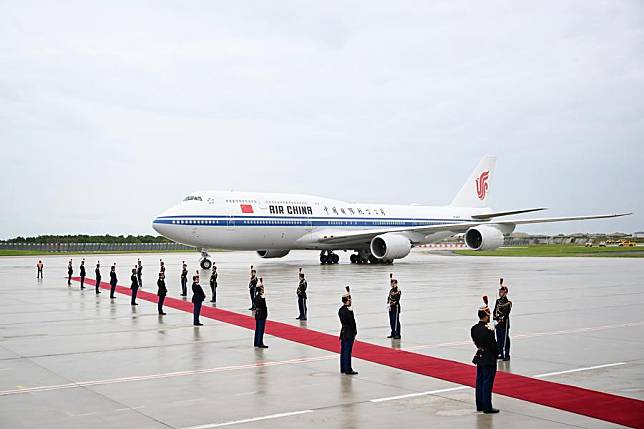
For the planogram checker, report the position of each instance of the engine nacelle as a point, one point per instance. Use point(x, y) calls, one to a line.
point(390, 246)
point(484, 237)
point(272, 253)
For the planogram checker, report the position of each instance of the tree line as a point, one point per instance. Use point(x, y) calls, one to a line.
point(82, 238)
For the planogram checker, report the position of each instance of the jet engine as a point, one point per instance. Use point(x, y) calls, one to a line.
point(484, 237)
point(390, 246)
point(273, 253)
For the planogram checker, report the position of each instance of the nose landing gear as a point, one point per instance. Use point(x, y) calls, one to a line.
point(328, 257)
point(205, 262)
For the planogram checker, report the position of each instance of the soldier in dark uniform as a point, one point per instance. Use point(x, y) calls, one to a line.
point(82, 274)
point(261, 314)
point(139, 273)
point(162, 266)
point(198, 296)
point(213, 283)
point(98, 277)
point(501, 315)
point(301, 296)
point(70, 271)
point(485, 360)
point(184, 279)
point(113, 281)
point(252, 287)
point(161, 293)
point(347, 334)
point(393, 302)
point(135, 286)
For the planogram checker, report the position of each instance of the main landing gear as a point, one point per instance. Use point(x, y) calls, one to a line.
point(328, 257)
point(363, 257)
point(205, 263)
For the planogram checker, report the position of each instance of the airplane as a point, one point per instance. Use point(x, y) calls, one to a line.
point(273, 224)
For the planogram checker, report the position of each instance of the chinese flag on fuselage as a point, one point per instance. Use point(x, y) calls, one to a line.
point(246, 208)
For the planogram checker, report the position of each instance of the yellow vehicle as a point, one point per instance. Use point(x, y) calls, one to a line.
point(626, 243)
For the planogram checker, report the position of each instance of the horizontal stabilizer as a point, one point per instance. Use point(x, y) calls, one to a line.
point(498, 214)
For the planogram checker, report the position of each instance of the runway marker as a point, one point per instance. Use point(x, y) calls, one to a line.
point(588, 368)
point(255, 419)
point(21, 389)
point(600, 405)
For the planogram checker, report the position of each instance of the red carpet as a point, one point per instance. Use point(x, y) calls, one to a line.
point(603, 406)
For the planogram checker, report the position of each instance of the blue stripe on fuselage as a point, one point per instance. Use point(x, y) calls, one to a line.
point(206, 220)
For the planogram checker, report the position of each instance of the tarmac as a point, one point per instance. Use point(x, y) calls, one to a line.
point(73, 359)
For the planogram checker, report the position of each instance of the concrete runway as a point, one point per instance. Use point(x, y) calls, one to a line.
point(73, 359)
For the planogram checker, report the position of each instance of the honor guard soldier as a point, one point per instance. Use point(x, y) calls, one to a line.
point(113, 280)
point(139, 272)
point(98, 276)
point(261, 314)
point(347, 334)
point(162, 266)
point(161, 292)
point(184, 279)
point(82, 274)
point(213, 283)
point(198, 296)
point(135, 286)
point(70, 271)
point(485, 359)
point(301, 296)
point(393, 305)
point(39, 265)
point(252, 287)
point(501, 316)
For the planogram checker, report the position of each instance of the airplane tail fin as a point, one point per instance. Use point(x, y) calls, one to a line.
point(476, 190)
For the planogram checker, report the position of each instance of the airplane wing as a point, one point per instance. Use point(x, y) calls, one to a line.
point(497, 214)
point(341, 237)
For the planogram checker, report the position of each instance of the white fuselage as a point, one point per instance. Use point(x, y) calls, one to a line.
point(263, 221)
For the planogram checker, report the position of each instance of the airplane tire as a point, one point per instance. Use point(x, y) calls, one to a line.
point(335, 258)
point(353, 259)
point(206, 264)
point(323, 259)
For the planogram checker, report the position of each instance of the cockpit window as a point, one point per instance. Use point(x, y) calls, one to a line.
point(192, 198)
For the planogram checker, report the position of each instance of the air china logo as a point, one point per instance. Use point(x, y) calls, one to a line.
point(481, 185)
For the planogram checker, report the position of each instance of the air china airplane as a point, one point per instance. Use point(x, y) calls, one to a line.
point(275, 224)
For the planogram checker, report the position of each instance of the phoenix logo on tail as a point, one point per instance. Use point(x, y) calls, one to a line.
point(481, 185)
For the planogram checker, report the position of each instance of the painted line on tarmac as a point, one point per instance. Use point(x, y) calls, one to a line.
point(532, 335)
point(588, 368)
point(160, 376)
point(413, 395)
point(254, 419)
point(452, 389)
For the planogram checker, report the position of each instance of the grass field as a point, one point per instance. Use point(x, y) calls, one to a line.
point(560, 250)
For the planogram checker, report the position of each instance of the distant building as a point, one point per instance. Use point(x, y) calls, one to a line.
point(638, 234)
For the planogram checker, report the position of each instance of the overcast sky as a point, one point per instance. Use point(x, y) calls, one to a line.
point(111, 112)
